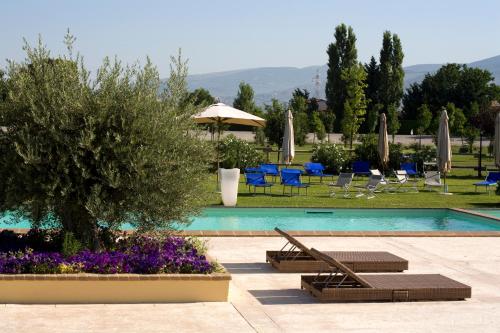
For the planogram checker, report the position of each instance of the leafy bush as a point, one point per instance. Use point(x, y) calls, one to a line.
point(236, 153)
point(464, 149)
point(395, 156)
point(140, 255)
point(427, 153)
point(367, 149)
point(332, 156)
point(70, 245)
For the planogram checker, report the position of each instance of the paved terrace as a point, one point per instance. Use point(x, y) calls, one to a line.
point(265, 301)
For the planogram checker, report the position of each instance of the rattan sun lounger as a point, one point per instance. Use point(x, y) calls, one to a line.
point(341, 284)
point(293, 258)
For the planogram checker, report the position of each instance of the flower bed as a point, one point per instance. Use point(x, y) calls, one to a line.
point(144, 255)
point(135, 269)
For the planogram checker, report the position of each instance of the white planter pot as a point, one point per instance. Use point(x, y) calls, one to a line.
point(229, 180)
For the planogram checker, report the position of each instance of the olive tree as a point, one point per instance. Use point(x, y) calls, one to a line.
point(82, 151)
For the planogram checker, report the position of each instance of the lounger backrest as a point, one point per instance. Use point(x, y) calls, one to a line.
point(375, 172)
point(344, 179)
point(401, 175)
point(270, 169)
point(493, 176)
point(314, 168)
point(292, 240)
point(433, 176)
point(374, 180)
point(290, 176)
point(409, 166)
point(337, 264)
point(255, 178)
point(361, 166)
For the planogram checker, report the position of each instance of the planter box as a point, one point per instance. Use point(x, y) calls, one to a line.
point(113, 288)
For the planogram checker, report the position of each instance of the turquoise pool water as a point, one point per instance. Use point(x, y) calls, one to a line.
point(491, 212)
point(330, 219)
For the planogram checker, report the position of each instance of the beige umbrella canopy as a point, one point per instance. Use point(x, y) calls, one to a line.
point(497, 140)
point(444, 146)
point(225, 114)
point(383, 141)
point(221, 113)
point(288, 144)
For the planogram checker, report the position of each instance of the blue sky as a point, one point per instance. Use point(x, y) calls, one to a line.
point(220, 35)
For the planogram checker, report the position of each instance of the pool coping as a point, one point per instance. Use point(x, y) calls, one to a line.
point(332, 233)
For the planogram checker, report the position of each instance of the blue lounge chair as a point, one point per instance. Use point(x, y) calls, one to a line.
point(257, 179)
point(410, 168)
point(315, 170)
point(492, 179)
point(253, 170)
point(291, 177)
point(361, 168)
point(270, 170)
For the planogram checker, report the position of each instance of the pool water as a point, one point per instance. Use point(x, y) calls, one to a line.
point(329, 219)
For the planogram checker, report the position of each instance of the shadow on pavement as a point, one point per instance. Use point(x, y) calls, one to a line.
point(249, 268)
point(283, 296)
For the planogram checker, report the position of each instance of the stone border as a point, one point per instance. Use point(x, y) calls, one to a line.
point(113, 288)
point(116, 277)
point(471, 212)
point(312, 233)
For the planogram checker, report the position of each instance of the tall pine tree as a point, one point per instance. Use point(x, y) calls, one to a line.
point(355, 103)
point(341, 55)
point(391, 77)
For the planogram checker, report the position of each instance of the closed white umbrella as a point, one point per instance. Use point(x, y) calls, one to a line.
point(444, 147)
point(383, 141)
point(496, 146)
point(288, 144)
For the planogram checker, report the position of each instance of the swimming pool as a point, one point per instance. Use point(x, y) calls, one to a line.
point(331, 220)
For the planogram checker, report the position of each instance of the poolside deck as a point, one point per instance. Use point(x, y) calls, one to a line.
point(265, 301)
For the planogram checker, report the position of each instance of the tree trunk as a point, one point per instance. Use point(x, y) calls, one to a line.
point(76, 219)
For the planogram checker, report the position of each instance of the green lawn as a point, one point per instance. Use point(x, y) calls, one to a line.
point(459, 183)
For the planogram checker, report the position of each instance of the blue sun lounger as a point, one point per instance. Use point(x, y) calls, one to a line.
point(315, 170)
point(257, 179)
point(291, 177)
point(492, 179)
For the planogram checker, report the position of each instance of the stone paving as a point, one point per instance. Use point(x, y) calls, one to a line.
point(263, 300)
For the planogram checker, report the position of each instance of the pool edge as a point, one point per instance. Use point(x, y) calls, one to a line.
point(312, 233)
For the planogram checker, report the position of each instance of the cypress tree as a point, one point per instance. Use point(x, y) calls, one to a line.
point(342, 54)
point(386, 71)
point(391, 77)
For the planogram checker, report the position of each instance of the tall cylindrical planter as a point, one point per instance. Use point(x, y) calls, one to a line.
point(229, 180)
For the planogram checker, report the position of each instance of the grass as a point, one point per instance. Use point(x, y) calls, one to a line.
point(460, 183)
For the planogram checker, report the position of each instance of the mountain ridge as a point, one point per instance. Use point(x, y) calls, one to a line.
point(280, 82)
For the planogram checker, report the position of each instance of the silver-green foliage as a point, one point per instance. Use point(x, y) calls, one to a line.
point(85, 148)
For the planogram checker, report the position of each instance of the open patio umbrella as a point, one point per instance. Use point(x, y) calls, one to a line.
point(496, 144)
point(288, 144)
point(444, 147)
point(383, 142)
point(221, 113)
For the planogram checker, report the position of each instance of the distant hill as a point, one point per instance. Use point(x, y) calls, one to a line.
point(280, 82)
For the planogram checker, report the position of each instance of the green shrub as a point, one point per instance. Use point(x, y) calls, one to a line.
point(70, 245)
point(332, 156)
point(395, 156)
point(236, 153)
point(427, 153)
point(367, 149)
point(464, 149)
